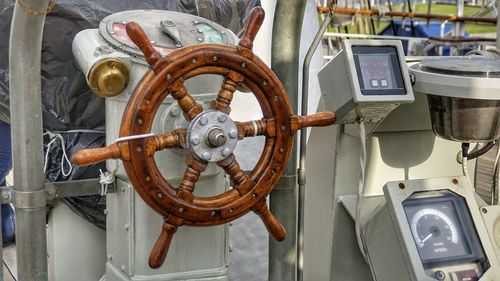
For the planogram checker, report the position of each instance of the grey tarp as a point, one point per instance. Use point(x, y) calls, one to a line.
point(68, 103)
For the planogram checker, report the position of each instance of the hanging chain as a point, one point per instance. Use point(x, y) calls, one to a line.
point(332, 6)
point(30, 11)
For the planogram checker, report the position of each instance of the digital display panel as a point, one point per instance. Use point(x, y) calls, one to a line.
point(378, 70)
point(442, 229)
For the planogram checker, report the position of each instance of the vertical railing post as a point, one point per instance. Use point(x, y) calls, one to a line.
point(26, 120)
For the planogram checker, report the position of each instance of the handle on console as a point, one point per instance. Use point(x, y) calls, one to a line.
point(252, 27)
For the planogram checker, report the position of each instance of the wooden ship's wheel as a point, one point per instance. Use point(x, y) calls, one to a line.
point(210, 137)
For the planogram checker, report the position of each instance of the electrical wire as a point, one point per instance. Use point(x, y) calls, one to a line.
point(64, 158)
point(361, 187)
point(8, 269)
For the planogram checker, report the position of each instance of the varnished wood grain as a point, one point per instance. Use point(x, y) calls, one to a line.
point(141, 40)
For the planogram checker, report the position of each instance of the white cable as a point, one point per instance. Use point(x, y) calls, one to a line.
point(64, 158)
point(361, 187)
point(464, 168)
point(134, 137)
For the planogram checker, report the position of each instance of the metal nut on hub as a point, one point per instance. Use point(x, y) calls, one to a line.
point(207, 156)
point(233, 134)
point(203, 120)
point(226, 152)
point(195, 140)
point(222, 118)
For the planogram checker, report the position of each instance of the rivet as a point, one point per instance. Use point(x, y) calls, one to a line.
point(196, 22)
point(264, 83)
point(153, 42)
point(231, 210)
point(125, 227)
point(199, 39)
point(140, 121)
point(226, 152)
point(273, 171)
point(243, 65)
point(484, 210)
point(124, 22)
point(203, 120)
point(181, 209)
point(110, 257)
point(123, 268)
point(402, 185)
point(148, 101)
point(454, 181)
point(206, 155)
point(282, 150)
point(233, 134)
point(275, 98)
point(106, 211)
point(195, 140)
point(148, 178)
point(213, 213)
point(178, 45)
point(222, 32)
point(159, 195)
point(254, 196)
point(215, 58)
point(222, 118)
point(123, 189)
point(283, 128)
point(139, 149)
point(193, 60)
point(169, 76)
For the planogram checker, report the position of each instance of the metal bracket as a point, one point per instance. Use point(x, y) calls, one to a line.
point(52, 191)
point(29, 199)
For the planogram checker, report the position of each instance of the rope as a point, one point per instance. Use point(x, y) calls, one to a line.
point(106, 178)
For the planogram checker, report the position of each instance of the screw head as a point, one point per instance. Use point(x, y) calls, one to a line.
point(233, 134)
point(195, 140)
point(222, 118)
point(204, 120)
point(226, 152)
point(175, 111)
point(206, 155)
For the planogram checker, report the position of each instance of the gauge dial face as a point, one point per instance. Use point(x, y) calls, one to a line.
point(436, 231)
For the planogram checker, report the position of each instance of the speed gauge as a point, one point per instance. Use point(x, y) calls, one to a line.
point(442, 228)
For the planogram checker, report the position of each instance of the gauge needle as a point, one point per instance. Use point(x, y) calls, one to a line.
point(427, 238)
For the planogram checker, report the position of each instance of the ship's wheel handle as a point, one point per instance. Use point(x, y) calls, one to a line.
point(211, 136)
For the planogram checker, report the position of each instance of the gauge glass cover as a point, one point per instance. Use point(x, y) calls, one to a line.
point(442, 229)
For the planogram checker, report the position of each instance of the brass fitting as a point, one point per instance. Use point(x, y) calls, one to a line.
point(109, 77)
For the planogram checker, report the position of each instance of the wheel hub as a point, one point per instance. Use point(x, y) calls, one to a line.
point(212, 136)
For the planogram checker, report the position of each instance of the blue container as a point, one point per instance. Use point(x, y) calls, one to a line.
point(421, 29)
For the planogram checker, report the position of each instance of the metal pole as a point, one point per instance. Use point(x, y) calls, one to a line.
point(498, 26)
point(303, 146)
point(287, 29)
point(26, 117)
